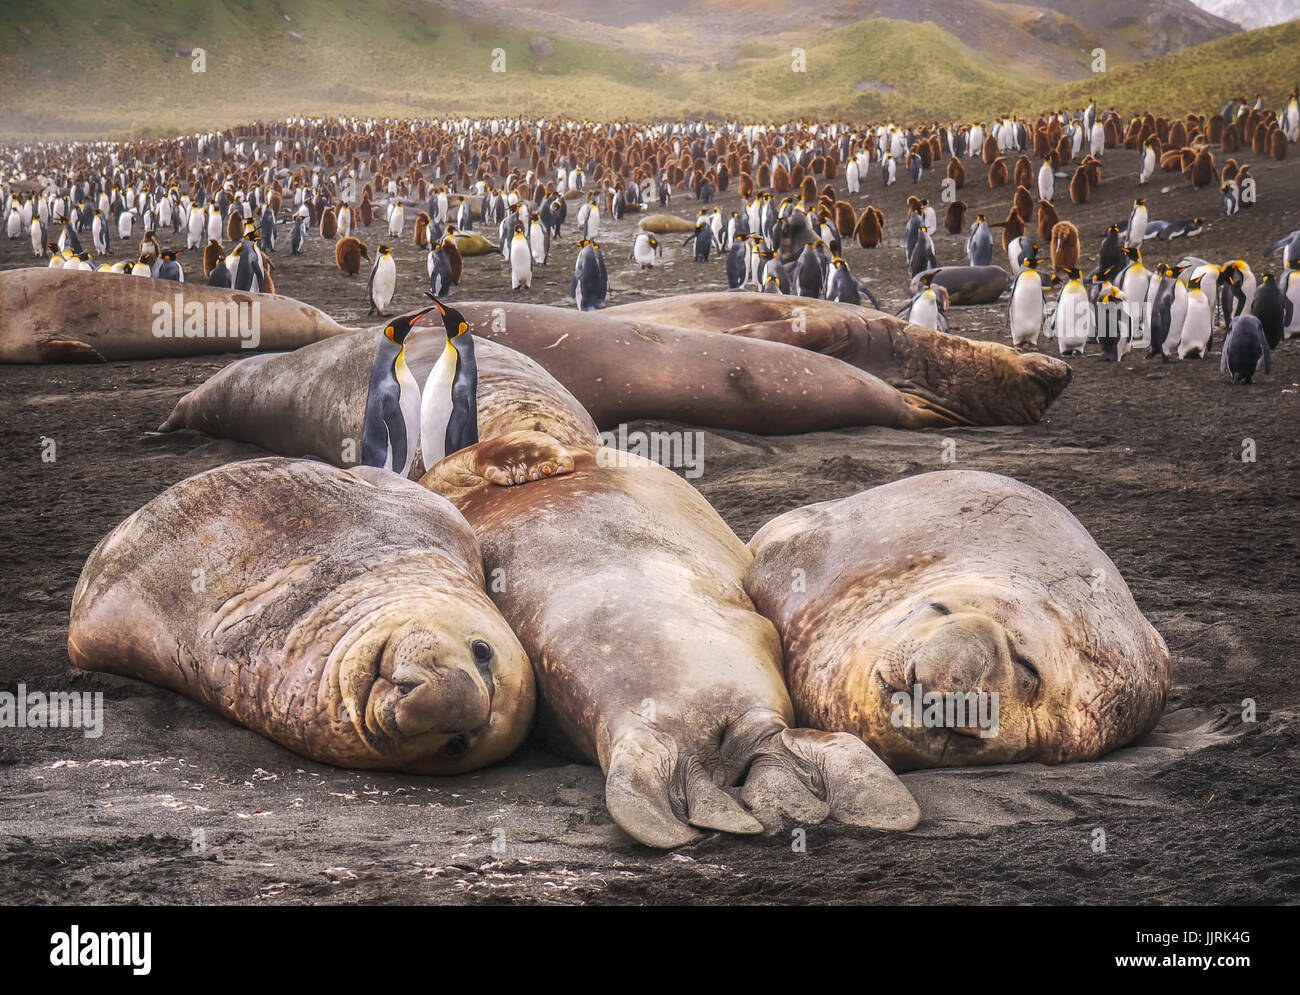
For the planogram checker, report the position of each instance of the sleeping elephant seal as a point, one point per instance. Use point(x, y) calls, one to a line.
point(951, 584)
point(339, 613)
point(666, 224)
point(623, 368)
point(967, 285)
point(625, 588)
point(980, 383)
point(312, 402)
point(74, 316)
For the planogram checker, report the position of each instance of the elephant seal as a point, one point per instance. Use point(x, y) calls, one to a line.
point(955, 583)
point(75, 316)
point(967, 285)
point(981, 383)
point(666, 224)
point(339, 613)
point(471, 243)
point(312, 402)
point(622, 369)
point(625, 587)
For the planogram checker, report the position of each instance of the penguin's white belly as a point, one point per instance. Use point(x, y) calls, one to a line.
point(521, 265)
point(385, 281)
point(1073, 321)
point(436, 408)
point(1177, 317)
point(925, 312)
point(1026, 312)
point(1196, 328)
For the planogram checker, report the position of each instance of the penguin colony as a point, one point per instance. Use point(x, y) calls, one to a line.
point(215, 204)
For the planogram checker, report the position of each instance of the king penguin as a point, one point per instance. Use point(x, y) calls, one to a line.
point(390, 431)
point(383, 280)
point(449, 404)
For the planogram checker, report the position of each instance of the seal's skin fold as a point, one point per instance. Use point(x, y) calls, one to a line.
point(335, 612)
point(958, 582)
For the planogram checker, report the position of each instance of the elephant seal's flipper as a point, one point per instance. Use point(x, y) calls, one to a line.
point(341, 614)
point(860, 789)
point(625, 588)
point(67, 351)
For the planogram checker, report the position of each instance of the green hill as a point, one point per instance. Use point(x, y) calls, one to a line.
point(116, 68)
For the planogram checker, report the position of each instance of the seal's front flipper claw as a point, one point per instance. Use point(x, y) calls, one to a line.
point(806, 775)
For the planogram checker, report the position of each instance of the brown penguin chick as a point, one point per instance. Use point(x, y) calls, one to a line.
point(1065, 246)
point(421, 236)
point(780, 179)
point(1259, 140)
point(455, 261)
point(365, 213)
point(956, 173)
point(1214, 130)
point(1231, 140)
point(1092, 166)
point(1247, 201)
point(1230, 171)
point(1080, 188)
point(1012, 228)
point(212, 252)
point(1047, 219)
point(234, 226)
point(998, 173)
point(348, 253)
point(808, 189)
point(1277, 144)
point(869, 228)
point(268, 287)
point(954, 219)
point(1023, 202)
point(1171, 160)
point(846, 219)
point(1202, 170)
point(1023, 175)
point(745, 186)
point(329, 223)
point(990, 151)
point(764, 178)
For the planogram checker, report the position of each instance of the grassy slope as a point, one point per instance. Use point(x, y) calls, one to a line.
point(1202, 78)
point(82, 68)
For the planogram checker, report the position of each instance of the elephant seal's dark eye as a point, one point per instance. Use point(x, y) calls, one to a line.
point(482, 651)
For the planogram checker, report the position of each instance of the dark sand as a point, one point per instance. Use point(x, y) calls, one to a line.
point(174, 804)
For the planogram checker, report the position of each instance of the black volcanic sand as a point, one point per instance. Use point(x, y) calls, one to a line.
point(174, 804)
